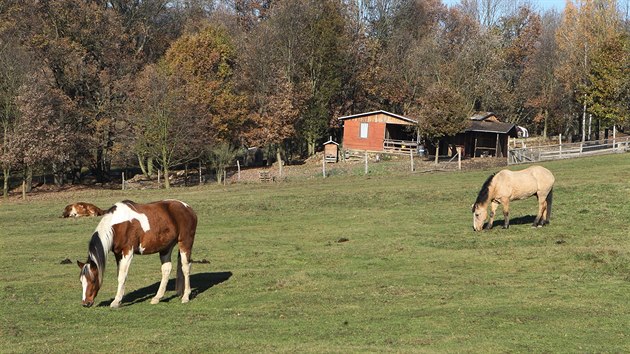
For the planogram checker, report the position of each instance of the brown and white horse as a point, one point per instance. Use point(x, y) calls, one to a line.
point(129, 228)
point(505, 186)
point(81, 209)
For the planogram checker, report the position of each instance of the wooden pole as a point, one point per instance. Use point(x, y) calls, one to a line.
point(411, 159)
point(158, 178)
point(123, 181)
point(199, 171)
point(560, 143)
point(614, 135)
point(366, 162)
point(324, 166)
point(238, 168)
point(459, 157)
point(24, 189)
point(437, 152)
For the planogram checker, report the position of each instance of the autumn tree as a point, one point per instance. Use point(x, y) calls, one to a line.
point(442, 112)
point(165, 125)
point(45, 135)
point(204, 64)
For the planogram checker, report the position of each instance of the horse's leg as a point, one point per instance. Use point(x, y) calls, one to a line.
point(541, 208)
point(123, 269)
point(505, 202)
point(186, 270)
point(544, 219)
point(165, 258)
point(493, 210)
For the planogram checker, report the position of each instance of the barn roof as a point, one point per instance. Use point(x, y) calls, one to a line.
point(379, 112)
point(491, 127)
point(479, 116)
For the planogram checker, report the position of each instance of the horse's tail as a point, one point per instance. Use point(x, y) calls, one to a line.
point(179, 281)
point(549, 202)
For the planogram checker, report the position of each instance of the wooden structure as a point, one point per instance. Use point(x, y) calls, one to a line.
point(264, 176)
point(379, 131)
point(331, 151)
point(485, 135)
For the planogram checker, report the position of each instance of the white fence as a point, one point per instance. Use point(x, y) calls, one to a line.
point(568, 150)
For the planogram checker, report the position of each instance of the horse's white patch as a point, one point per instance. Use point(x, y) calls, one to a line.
point(73, 212)
point(124, 213)
point(141, 249)
point(84, 285)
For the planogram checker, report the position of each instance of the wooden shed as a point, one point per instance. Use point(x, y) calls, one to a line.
point(331, 151)
point(379, 131)
point(485, 135)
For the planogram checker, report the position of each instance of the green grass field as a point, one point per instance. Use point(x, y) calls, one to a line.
point(412, 277)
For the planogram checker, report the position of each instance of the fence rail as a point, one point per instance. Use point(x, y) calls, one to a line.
point(568, 150)
point(399, 146)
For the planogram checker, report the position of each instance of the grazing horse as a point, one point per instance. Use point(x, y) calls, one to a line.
point(129, 228)
point(505, 186)
point(81, 209)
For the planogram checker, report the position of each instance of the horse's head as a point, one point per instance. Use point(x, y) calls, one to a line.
point(480, 214)
point(89, 277)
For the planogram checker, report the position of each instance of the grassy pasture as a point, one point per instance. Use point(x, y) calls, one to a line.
point(412, 277)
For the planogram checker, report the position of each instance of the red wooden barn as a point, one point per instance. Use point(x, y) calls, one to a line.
point(379, 131)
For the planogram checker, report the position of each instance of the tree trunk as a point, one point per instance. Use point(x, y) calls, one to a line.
point(57, 175)
point(546, 116)
point(5, 190)
point(150, 166)
point(28, 177)
point(167, 182)
point(142, 166)
point(279, 159)
point(437, 152)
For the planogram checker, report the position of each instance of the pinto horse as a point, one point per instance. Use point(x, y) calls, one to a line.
point(129, 228)
point(505, 186)
point(81, 209)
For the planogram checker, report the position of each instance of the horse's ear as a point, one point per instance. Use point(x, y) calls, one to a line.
point(80, 264)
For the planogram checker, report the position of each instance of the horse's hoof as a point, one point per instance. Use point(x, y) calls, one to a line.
point(155, 301)
point(115, 305)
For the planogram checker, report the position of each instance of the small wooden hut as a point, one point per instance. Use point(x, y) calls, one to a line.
point(331, 151)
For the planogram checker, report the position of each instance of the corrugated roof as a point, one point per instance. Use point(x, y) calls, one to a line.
point(491, 127)
point(379, 112)
point(481, 115)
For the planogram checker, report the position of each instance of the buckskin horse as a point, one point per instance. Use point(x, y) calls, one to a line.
point(128, 228)
point(505, 186)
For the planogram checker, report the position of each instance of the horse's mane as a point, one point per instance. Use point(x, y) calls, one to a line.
point(101, 242)
point(484, 193)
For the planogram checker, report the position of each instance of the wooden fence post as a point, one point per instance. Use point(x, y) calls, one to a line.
point(123, 181)
point(459, 157)
point(238, 167)
point(411, 159)
point(324, 166)
point(366, 162)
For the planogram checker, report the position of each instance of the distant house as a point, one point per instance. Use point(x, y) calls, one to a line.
point(379, 131)
point(485, 135)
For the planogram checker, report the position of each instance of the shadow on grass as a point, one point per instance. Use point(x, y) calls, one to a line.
point(199, 282)
point(527, 219)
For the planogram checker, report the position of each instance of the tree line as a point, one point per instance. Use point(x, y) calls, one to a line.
point(90, 84)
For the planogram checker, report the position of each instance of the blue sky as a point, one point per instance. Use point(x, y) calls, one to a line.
point(541, 4)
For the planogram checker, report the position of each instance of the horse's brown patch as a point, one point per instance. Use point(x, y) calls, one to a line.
point(81, 209)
